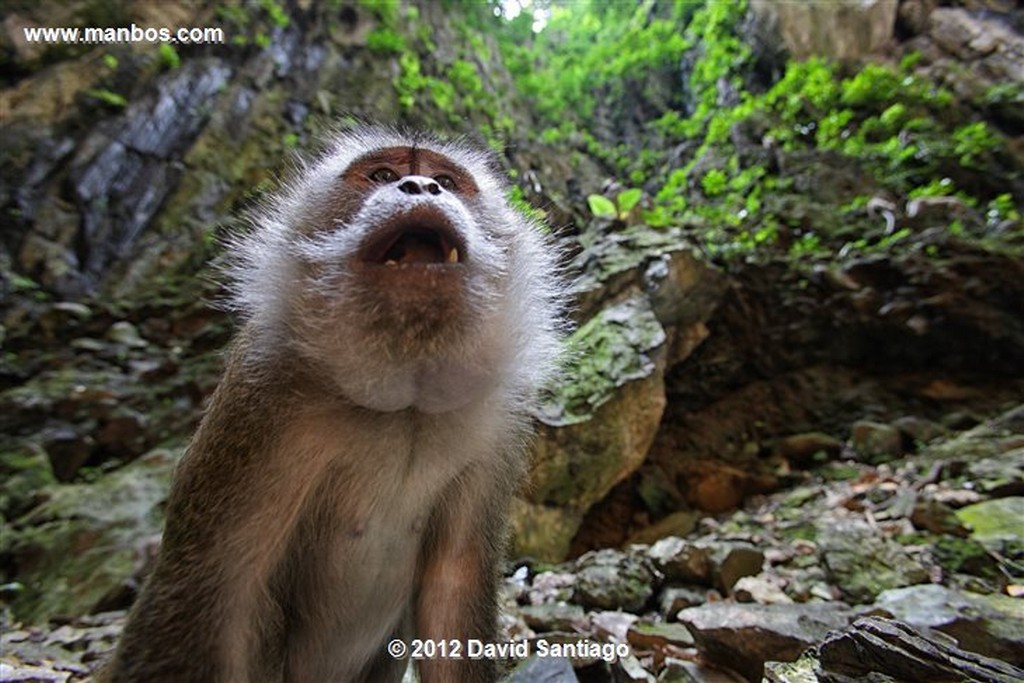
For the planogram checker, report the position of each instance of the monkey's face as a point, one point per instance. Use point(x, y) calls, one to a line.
point(402, 274)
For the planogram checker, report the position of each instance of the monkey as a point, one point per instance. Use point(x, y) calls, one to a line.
point(350, 481)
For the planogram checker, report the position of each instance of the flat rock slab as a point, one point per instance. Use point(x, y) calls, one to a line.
point(744, 637)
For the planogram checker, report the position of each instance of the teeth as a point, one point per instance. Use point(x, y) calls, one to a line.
point(391, 262)
point(453, 255)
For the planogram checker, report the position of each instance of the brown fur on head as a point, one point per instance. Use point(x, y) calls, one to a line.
point(360, 274)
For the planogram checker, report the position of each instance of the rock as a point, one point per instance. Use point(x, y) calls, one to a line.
point(684, 291)
point(647, 636)
point(966, 556)
point(812, 448)
point(123, 332)
point(554, 617)
point(71, 649)
point(673, 599)
point(876, 441)
point(1001, 475)
point(732, 561)
point(744, 637)
point(760, 590)
point(24, 475)
point(676, 524)
point(612, 625)
point(24, 673)
point(597, 429)
point(628, 668)
point(718, 487)
point(971, 37)
point(862, 563)
point(913, 15)
point(919, 430)
point(87, 542)
point(995, 520)
point(991, 625)
point(681, 560)
point(938, 518)
point(63, 317)
point(843, 29)
point(68, 450)
point(543, 670)
point(683, 671)
point(123, 434)
point(551, 587)
point(542, 530)
point(608, 579)
point(875, 646)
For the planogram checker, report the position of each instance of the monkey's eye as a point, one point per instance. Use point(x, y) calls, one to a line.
point(446, 182)
point(383, 175)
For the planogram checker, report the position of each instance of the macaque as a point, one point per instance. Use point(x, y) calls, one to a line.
point(350, 481)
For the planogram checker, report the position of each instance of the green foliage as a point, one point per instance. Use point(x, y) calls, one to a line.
point(518, 202)
point(168, 56)
point(714, 182)
point(1005, 94)
point(385, 40)
point(464, 78)
point(1003, 208)
point(386, 11)
point(628, 199)
point(443, 94)
point(277, 14)
point(234, 15)
point(721, 56)
point(972, 141)
point(410, 81)
point(602, 207)
point(894, 125)
point(589, 50)
point(110, 61)
point(108, 97)
point(874, 85)
point(620, 209)
point(808, 244)
point(940, 187)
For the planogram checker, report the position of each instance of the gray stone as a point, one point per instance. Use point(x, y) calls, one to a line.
point(874, 439)
point(844, 29)
point(608, 579)
point(744, 637)
point(992, 625)
point(681, 560)
point(543, 670)
point(553, 617)
point(863, 563)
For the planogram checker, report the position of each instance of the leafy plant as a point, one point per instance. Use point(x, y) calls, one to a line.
point(169, 56)
point(602, 207)
point(624, 203)
point(108, 97)
point(385, 40)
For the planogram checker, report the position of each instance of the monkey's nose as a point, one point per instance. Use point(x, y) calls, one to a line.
point(418, 184)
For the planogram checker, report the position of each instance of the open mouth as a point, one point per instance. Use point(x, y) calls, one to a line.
point(417, 238)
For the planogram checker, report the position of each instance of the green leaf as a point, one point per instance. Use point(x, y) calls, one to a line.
point(602, 207)
point(628, 199)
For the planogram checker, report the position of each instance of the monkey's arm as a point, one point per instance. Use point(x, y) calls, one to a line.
point(457, 595)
